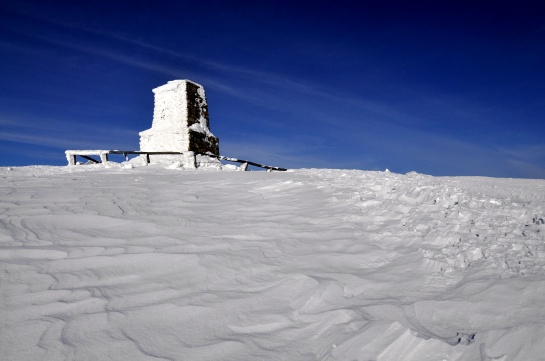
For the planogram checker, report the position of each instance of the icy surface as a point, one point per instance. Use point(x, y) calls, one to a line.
point(149, 263)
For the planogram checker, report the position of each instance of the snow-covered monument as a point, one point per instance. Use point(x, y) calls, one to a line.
point(180, 122)
point(179, 135)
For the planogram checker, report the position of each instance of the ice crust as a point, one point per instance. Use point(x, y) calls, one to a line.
point(150, 263)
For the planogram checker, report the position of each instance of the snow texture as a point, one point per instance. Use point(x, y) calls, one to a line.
point(161, 263)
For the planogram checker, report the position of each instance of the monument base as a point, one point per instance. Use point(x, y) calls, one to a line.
point(187, 160)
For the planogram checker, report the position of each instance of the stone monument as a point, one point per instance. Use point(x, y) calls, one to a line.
point(180, 124)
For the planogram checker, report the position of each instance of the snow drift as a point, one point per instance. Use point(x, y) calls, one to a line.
point(169, 264)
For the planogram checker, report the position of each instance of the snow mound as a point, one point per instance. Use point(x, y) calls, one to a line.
point(151, 263)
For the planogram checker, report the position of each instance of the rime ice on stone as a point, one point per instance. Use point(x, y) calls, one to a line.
point(180, 121)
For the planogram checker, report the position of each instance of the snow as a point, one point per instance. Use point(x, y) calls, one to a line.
point(166, 263)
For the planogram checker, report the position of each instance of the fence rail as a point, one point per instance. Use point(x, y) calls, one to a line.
point(103, 154)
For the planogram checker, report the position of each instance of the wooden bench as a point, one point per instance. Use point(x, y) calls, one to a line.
point(71, 155)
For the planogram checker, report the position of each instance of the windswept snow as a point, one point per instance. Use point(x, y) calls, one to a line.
point(167, 264)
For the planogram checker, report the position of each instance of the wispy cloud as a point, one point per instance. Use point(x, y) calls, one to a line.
point(273, 91)
point(529, 169)
point(245, 72)
point(214, 73)
point(381, 131)
point(531, 151)
point(59, 134)
point(67, 140)
point(527, 159)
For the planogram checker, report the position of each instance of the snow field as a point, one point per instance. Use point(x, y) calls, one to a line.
point(152, 263)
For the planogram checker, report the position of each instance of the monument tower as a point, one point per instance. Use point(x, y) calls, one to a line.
point(180, 122)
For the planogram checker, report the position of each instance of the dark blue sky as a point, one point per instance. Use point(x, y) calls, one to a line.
point(438, 87)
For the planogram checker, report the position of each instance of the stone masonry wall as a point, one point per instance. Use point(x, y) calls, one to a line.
point(180, 120)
